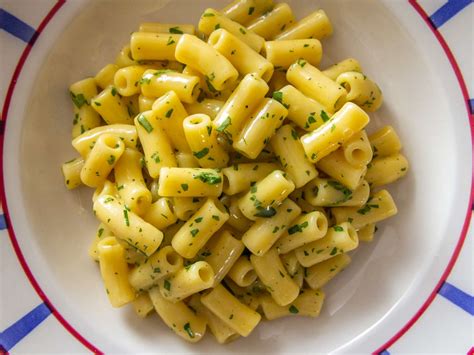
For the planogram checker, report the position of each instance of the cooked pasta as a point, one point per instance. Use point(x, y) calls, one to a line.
point(232, 176)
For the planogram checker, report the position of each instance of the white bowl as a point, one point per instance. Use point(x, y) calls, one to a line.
point(367, 304)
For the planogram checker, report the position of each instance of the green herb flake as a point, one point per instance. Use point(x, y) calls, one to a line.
point(294, 135)
point(338, 229)
point(194, 232)
point(175, 30)
point(113, 91)
point(293, 309)
point(267, 212)
point(226, 123)
point(242, 31)
point(366, 208)
point(187, 329)
point(156, 157)
point(184, 187)
point(99, 232)
point(278, 95)
point(297, 228)
point(169, 113)
point(209, 130)
point(125, 216)
point(251, 10)
point(198, 220)
point(324, 116)
point(202, 153)
point(111, 160)
point(144, 123)
point(333, 251)
point(208, 178)
point(215, 217)
point(207, 14)
point(78, 99)
point(170, 41)
point(167, 285)
point(301, 62)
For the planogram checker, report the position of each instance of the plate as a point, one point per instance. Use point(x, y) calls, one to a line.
point(414, 280)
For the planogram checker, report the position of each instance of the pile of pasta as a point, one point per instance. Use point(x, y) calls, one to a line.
point(232, 175)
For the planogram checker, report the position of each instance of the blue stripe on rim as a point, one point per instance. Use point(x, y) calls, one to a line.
point(448, 11)
point(458, 297)
point(471, 106)
point(3, 222)
point(24, 326)
point(15, 26)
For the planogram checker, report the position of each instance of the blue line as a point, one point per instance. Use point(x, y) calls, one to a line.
point(15, 26)
point(458, 297)
point(448, 11)
point(21, 328)
point(3, 222)
point(471, 106)
point(384, 352)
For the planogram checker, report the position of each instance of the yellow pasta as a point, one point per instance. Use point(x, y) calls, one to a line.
point(313, 83)
point(72, 172)
point(240, 177)
point(242, 272)
point(335, 132)
point(105, 76)
point(282, 54)
point(243, 11)
point(349, 64)
point(308, 303)
point(242, 57)
point(366, 233)
point(166, 28)
point(357, 150)
point(153, 46)
point(361, 90)
point(316, 25)
point(385, 142)
point(185, 207)
point(187, 182)
point(385, 170)
point(320, 274)
point(143, 305)
point(329, 193)
point(272, 23)
point(209, 107)
point(111, 107)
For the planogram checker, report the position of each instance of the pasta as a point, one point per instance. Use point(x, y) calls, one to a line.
point(232, 176)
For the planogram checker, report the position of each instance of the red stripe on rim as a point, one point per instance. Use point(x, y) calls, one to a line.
point(11, 233)
point(467, 219)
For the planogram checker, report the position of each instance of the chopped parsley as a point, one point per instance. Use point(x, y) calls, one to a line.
point(202, 153)
point(170, 41)
point(78, 99)
point(184, 187)
point(333, 251)
point(156, 157)
point(251, 10)
point(226, 123)
point(242, 31)
point(194, 232)
point(144, 123)
point(111, 160)
point(278, 95)
point(366, 209)
point(187, 329)
point(169, 113)
point(167, 285)
point(266, 212)
point(297, 228)
point(293, 309)
point(215, 217)
point(125, 216)
point(301, 62)
point(176, 30)
point(294, 134)
point(338, 229)
point(324, 116)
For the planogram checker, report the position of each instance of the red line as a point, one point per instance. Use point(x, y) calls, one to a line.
point(471, 351)
point(11, 232)
point(467, 219)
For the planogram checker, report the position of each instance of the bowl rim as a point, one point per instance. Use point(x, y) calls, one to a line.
point(35, 284)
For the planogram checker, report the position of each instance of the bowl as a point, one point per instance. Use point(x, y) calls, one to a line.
point(389, 279)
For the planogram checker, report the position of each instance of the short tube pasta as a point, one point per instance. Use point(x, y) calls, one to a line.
point(195, 233)
point(175, 28)
point(357, 150)
point(111, 107)
point(283, 54)
point(211, 20)
point(126, 79)
point(143, 305)
point(239, 177)
point(236, 217)
point(153, 46)
point(336, 166)
point(85, 142)
point(145, 103)
point(260, 127)
point(385, 142)
point(188, 182)
point(155, 83)
point(101, 160)
point(349, 64)
point(130, 183)
point(170, 112)
point(228, 309)
point(367, 232)
point(323, 192)
point(209, 107)
point(101, 233)
point(157, 148)
point(242, 272)
point(305, 229)
point(114, 271)
point(202, 140)
point(272, 273)
point(265, 195)
point(126, 225)
point(242, 57)
point(161, 213)
point(339, 239)
point(308, 303)
point(161, 264)
point(305, 112)
point(72, 173)
point(361, 90)
point(221, 252)
point(214, 65)
point(187, 281)
point(178, 317)
point(243, 11)
point(245, 98)
point(266, 231)
point(272, 23)
point(316, 25)
point(185, 207)
point(379, 207)
point(85, 119)
point(105, 76)
point(287, 147)
point(320, 274)
point(335, 132)
point(314, 84)
point(385, 170)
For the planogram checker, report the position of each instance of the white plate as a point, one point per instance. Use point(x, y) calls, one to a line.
point(370, 307)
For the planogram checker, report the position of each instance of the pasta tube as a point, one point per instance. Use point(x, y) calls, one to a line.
point(187, 182)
